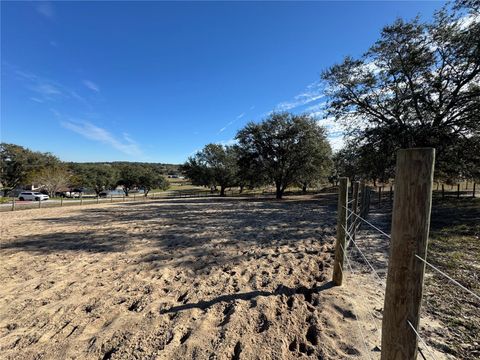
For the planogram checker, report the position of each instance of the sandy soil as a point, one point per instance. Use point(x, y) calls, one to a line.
point(181, 279)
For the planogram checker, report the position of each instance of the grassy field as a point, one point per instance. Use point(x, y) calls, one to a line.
point(455, 249)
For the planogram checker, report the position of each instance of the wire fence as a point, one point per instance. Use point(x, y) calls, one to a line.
point(354, 227)
point(13, 204)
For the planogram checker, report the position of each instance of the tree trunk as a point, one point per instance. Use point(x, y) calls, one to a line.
point(304, 188)
point(126, 190)
point(222, 190)
point(279, 190)
point(241, 188)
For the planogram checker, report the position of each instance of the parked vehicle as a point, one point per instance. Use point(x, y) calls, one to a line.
point(72, 194)
point(34, 196)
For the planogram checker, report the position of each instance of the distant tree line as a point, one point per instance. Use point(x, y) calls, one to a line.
point(417, 86)
point(283, 150)
point(20, 166)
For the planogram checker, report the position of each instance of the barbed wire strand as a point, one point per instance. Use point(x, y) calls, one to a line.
point(449, 278)
point(357, 319)
point(372, 317)
point(421, 340)
point(369, 223)
point(382, 281)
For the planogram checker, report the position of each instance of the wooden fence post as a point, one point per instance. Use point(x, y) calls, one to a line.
point(363, 199)
point(13, 203)
point(410, 227)
point(341, 234)
point(473, 192)
point(369, 196)
point(354, 209)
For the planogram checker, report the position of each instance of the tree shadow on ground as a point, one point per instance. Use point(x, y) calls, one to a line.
point(280, 290)
point(193, 233)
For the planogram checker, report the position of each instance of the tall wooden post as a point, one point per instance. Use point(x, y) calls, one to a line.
point(354, 209)
point(410, 227)
point(363, 199)
point(341, 233)
point(369, 197)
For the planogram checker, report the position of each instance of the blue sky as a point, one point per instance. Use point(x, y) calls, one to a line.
point(156, 81)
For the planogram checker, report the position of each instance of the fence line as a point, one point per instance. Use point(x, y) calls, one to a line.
point(410, 227)
point(448, 277)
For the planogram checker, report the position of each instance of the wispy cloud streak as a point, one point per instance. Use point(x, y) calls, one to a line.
point(231, 123)
point(45, 8)
point(313, 92)
point(92, 132)
point(91, 85)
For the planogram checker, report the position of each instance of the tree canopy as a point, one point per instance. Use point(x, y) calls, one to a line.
point(286, 148)
point(215, 165)
point(417, 86)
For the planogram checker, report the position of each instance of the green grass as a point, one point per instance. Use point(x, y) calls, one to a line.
point(454, 248)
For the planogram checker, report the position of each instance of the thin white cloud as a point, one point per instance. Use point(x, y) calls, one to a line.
point(313, 92)
point(92, 132)
point(91, 85)
point(45, 8)
point(48, 90)
point(36, 99)
point(238, 117)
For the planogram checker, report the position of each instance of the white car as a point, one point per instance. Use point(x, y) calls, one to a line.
point(30, 195)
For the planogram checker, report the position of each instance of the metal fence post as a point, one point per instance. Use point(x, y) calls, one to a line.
point(410, 226)
point(341, 233)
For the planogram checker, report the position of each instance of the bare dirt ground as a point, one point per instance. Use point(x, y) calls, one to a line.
point(177, 279)
point(184, 279)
